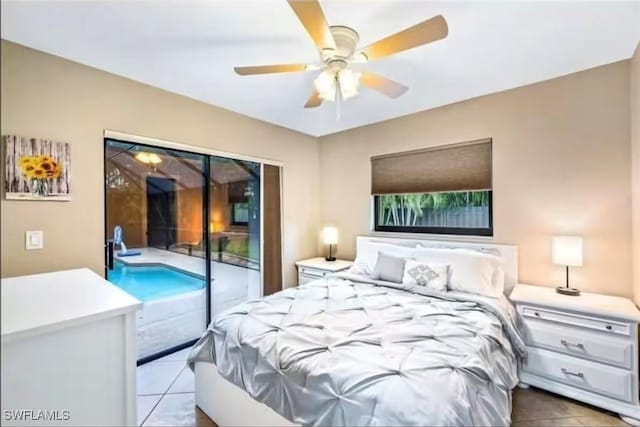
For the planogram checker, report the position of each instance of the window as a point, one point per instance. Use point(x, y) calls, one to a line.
point(466, 212)
point(442, 190)
point(240, 214)
point(238, 193)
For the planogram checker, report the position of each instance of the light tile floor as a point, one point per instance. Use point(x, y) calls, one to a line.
point(166, 398)
point(166, 393)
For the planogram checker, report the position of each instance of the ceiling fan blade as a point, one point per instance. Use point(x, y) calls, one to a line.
point(310, 14)
point(425, 32)
point(383, 85)
point(314, 100)
point(268, 69)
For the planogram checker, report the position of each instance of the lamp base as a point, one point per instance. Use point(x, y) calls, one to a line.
point(330, 258)
point(568, 291)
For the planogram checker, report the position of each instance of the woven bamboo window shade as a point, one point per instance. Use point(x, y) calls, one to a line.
point(458, 167)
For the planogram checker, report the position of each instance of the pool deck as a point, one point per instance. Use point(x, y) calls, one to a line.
point(173, 320)
point(232, 284)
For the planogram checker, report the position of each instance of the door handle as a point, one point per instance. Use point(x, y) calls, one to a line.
point(110, 254)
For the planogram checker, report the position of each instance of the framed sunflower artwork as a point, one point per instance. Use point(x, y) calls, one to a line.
point(37, 169)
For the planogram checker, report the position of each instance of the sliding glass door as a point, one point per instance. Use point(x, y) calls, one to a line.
point(156, 213)
point(185, 234)
point(234, 232)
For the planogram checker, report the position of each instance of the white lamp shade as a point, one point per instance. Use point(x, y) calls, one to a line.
point(567, 250)
point(330, 235)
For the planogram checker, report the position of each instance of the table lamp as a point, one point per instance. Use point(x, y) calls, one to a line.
point(330, 237)
point(567, 251)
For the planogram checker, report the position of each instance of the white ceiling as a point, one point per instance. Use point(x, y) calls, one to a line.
point(190, 48)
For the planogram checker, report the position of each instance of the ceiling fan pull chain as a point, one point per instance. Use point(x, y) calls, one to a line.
point(338, 99)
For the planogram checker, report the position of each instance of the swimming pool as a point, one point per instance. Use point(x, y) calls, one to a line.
point(153, 282)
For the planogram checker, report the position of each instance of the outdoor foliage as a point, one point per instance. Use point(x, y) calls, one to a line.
point(245, 248)
point(408, 209)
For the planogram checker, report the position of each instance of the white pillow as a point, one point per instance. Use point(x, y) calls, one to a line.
point(469, 271)
point(499, 277)
point(497, 262)
point(367, 255)
point(493, 254)
point(432, 276)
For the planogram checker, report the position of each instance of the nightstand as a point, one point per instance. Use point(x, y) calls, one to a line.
point(583, 347)
point(316, 268)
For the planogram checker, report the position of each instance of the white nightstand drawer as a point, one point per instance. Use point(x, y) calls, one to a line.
point(308, 271)
point(581, 343)
point(590, 376)
point(581, 321)
point(304, 279)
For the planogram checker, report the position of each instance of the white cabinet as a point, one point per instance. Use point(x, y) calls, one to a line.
point(584, 347)
point(68, 351)
point(317, 268)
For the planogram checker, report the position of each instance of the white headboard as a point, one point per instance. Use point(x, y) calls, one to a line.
point(508, 252)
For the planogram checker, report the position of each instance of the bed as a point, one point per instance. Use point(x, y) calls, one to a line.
point(350, 349)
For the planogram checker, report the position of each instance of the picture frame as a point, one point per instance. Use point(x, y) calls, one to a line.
point(36, 169)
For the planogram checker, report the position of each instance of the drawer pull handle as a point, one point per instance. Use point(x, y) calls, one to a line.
point(536, 314)
point(568, 344)
point(609, 327)
point(575, 374)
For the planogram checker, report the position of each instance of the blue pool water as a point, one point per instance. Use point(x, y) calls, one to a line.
point(149, 283)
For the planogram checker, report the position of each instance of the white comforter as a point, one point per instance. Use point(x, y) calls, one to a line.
point(350, 351)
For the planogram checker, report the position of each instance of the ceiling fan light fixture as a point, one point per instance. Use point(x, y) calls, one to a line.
point(325, 85)
point(349, 83)
point(148, 158)
point(344, 80)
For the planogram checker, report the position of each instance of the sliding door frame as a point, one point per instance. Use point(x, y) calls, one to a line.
point(206, 235)
point(208, 154)
point(193, 149)
point(261, 230)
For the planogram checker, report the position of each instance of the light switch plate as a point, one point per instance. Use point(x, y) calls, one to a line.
point(34, 239)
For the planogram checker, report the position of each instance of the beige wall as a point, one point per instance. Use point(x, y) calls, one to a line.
point(560, 166)
point(635, 168)
point(47, 96)
point(561, 163)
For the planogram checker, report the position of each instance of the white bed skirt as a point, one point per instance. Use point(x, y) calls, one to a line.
point(227, 404)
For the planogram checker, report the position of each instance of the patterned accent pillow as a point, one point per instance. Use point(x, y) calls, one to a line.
point(432, 276)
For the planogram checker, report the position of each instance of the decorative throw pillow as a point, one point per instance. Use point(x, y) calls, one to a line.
point(389, 268)
point(469, 271)
point(432, 276)
point(460, 264)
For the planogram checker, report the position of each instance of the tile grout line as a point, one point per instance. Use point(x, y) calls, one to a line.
point(173, 382)
point(165, 392)
point(151, 411)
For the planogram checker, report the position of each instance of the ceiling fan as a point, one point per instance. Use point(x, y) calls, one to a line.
point(338, 46)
